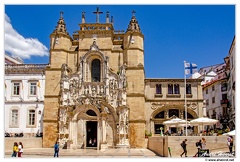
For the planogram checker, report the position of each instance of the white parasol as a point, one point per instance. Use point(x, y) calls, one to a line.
point(175, 122)
point(231, 133)
point(203, 121)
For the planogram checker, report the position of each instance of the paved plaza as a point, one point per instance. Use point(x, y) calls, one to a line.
point(86, 153)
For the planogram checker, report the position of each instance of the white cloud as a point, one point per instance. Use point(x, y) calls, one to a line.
point(17, 45)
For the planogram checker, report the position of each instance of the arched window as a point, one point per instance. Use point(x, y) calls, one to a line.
point(160, 115)
point(95, 70)
point(91, 113)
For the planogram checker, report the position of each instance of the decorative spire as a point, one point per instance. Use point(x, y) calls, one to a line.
point(133, 25)
point(112, 20)
point(61, 26)
point(107, 18)
point(83, 17)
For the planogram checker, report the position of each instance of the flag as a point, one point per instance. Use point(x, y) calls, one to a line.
point(38, 84)
point(190, 68)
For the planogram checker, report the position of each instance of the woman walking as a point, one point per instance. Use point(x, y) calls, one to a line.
point(20, 149)
point(204, 142)
point(15, 149)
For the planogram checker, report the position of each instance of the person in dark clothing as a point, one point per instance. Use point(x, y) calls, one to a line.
point(231, 144)
point(184, 146)
point(199, 146)
point(56, 149)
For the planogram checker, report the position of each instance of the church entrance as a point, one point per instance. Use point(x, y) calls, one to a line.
point(91, 134)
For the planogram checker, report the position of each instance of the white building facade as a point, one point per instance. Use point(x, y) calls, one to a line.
point(24, 96)
point(215, 93)
point(231, 76)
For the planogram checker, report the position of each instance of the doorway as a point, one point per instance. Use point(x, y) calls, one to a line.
point(91, 134)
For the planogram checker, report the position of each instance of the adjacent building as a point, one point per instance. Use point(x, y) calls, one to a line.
point(24, 96)
point(230, 61)
point(214, 87)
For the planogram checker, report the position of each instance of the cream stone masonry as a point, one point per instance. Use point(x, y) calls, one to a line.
point(96, 93)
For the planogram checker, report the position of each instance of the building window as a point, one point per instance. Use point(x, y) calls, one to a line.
point(95, 70)
point(224, 96)
point(176, 89)
point(14, 118)
point(214, 114)
point(207, 102)
point(157, 128)
point(33, 89)
point(158, 89)
point(188, 89)
point(31, 117)
point(213, 100)
point(173, 112)
point(206, 91)
point(170, 89)
point(160, 115)
point(213, 88)
point(224, 87)
point(16, 89)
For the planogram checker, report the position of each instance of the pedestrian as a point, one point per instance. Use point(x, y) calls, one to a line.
point(94, 142)
point(90, 141)
point(56, 149)
point(15, 149)
point(20, 149)
point(204, 142)
point(230, 144)
point(181, 132)
point(199, 146)
point(184, 147)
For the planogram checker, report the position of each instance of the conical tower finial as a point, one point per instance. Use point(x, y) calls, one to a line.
point(61, 26)
point(133, 25)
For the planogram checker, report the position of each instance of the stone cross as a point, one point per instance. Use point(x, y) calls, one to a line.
point(97, 14)
point(133, 12)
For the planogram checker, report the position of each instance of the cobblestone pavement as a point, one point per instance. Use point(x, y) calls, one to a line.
point(86, 153)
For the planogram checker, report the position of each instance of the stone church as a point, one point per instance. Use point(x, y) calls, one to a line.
point(96, 93)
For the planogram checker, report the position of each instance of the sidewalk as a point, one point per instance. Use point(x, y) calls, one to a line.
point(87, 153)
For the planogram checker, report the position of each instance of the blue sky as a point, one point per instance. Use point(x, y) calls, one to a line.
point(200, 34)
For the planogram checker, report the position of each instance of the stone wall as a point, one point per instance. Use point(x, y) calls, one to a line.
point(160, 144)
point(32, 142)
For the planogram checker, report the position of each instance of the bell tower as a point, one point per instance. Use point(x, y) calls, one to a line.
point(60, 43)
point(134, 59)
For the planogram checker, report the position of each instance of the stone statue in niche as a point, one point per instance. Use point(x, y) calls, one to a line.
point(93, 91)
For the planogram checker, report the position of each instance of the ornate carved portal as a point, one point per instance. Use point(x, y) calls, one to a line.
point(105, 96)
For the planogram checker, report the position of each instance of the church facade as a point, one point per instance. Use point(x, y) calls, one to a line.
point(96, 93)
